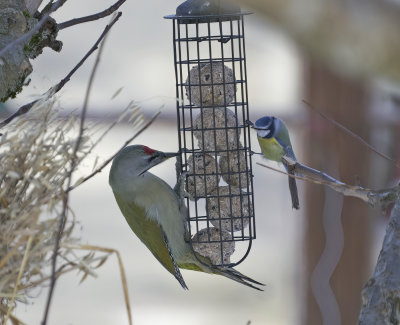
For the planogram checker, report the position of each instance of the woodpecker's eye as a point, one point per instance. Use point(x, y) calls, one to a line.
point(151, 158)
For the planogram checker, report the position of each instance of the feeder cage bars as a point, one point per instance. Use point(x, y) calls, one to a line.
point(214, 139)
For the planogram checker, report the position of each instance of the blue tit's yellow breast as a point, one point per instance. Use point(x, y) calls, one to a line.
point(271, 148)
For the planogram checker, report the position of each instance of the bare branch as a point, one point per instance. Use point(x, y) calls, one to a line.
point(355, 136)
point(20, 273)
point(27, 36)
point(49, 5)
point(12, 317)
point(93, 17)
point(32, 5)
point(375, 198)
point(74, 162)
point(98, 170)
point(121, 270)
point(53, 90)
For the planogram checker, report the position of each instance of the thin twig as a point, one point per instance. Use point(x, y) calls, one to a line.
point(93, 17)
point(121, 270)
point(98, 170)
point(12, 317)
point(48, 7)
point(355, 136)
point(112, 125)
point(380, 198)
point(53, 90)
point(11, 252)
point(20, 273)
point(74, 160)
point(27, 36)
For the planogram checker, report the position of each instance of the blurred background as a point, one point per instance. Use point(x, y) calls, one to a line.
point(342, 58)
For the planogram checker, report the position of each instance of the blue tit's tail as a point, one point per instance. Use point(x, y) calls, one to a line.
point(293, 192)
point(292, 181)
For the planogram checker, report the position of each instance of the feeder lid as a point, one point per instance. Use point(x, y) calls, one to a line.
point(206, 7)
point(192, 11)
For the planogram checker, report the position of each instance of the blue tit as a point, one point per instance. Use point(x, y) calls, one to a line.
point(274, 140)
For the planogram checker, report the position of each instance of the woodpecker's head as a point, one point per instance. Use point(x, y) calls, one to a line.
point(137, 159)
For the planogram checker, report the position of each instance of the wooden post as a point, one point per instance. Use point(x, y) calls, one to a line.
point(346, 102)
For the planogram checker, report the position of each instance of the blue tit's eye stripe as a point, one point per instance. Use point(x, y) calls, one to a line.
point(264, 133)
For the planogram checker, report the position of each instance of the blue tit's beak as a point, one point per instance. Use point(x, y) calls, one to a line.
point(249, 123)
point(252, 125)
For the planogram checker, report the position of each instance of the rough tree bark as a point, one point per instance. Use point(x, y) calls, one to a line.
point(381, 294)
point(15, 66)
point(15, 20)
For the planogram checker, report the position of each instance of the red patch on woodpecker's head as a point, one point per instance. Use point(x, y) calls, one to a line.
point(148, 150)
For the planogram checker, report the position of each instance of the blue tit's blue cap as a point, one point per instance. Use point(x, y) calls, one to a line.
point(264, 122)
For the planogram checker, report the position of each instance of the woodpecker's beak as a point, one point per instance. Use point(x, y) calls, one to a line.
point(168, 155)
point(157, 158)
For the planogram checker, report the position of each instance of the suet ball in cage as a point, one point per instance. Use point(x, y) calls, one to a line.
point(207, 242)
point(199, 91)
point(234, 168)
point(216, 129)
point(228, 209)
point(202, 176)
point(212, 110)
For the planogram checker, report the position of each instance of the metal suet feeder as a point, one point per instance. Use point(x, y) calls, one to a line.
point(214, 139)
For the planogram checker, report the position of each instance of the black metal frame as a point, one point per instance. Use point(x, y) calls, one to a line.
point(195, 40)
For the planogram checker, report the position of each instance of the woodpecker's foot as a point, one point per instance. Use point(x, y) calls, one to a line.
point(180, 187)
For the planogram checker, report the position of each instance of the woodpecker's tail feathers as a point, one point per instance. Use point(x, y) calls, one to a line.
point(239, 277)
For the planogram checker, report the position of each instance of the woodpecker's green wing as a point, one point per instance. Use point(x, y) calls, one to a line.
point(151, 234)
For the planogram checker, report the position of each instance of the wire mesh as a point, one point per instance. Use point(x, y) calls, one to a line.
point(214, 139)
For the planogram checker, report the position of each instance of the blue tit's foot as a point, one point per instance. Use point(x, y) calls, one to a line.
point(256, 153)
point(248, 123)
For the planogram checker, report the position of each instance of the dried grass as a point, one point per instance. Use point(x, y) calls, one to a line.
point(35, 155)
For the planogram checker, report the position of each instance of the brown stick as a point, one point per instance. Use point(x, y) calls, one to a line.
point(98, 170)
point(375, 198)
point(355, 136)
point(74, 159)
point(93, 17)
